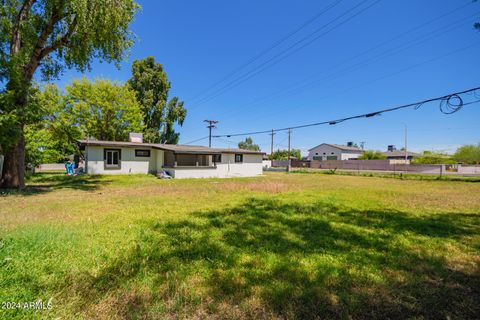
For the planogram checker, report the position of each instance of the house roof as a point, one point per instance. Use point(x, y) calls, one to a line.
point(176, 148)
point(339, 146)
point(179, 148)
point(400, 153)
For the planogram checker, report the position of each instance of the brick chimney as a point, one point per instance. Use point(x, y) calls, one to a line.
point(135, 137)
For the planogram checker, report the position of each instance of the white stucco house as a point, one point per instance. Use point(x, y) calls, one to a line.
point(328, 151)
point(179, 161)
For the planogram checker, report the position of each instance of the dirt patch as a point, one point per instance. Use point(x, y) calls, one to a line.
point(259, 185)
point(122, 305)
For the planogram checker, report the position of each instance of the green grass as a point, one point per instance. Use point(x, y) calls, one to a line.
point(287, 246)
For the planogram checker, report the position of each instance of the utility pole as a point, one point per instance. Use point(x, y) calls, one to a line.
point(271, 147)
point(406, 153)
point(211, 125)
point(288, 161)
point(362, 145)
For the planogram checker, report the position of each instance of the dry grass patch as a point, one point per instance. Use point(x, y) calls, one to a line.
point(281, 246)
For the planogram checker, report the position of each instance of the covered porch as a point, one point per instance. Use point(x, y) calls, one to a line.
point(190, 165)
point(173, 159)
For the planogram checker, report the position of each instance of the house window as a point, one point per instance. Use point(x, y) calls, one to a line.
point(239, 158)
point(316, 153)
point(142, 153)
point(112, 158)
point(317, 157)
point(333, 152)
point(331, 157)
point(324, 153)
point(217, 158)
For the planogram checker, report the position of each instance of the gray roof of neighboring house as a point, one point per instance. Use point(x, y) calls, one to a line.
point(400, 153)
point(339, 146)
point(176, 148)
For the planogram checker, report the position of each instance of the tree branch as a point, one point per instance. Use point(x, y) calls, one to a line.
point(62, 41)
point(47, 30)
point(40, 53)
point(22, 16)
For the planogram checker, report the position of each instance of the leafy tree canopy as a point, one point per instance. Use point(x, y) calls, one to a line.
point(151, 85)
point(372, 155)
point(283, 154)
point(469, 153)
point(248, 145)
point(432, 157)
point(52, 138)
point(103, 109)
point(50, 35)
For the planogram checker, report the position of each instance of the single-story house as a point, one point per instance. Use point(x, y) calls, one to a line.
point(179, 161)
point(328, 151)
point(400, 155)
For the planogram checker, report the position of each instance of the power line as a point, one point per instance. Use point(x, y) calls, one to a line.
point(449, 104)
point(295, 88)
point(190, 142)
point(270, 62)
point(271, 47)
point(285, 53)
point(279, 144)
point(396, 72)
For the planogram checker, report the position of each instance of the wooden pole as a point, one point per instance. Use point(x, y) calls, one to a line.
point(271, 146)
point(288, 158)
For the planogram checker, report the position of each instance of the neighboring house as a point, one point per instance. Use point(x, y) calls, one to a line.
point(400, 155)
point(328, 151)
point(180, 161)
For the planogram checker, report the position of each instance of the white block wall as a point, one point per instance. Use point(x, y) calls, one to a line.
point(130, 164)
point(251, 166)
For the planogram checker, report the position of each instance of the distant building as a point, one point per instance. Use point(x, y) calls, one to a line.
point(328, 151)
point(400, 155)
point(393, 154)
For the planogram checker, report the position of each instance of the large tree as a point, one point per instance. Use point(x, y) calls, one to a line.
point(52, 138)
point(433, 157)
point(469, 153)
point(103, 109)
point(248, 144)
point(151, 85)
point(50, 35)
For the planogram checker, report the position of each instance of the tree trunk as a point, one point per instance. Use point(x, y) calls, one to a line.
point(14, 165)
point(14, 162)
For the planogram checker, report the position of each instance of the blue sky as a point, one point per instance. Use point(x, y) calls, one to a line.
point(387, 55)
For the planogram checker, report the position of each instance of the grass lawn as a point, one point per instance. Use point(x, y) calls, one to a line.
point(287, 246)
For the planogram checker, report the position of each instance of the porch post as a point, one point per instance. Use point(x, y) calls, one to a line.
point(174, 159)
point(196, 160)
